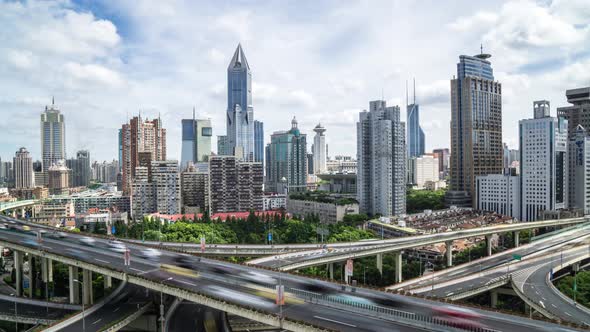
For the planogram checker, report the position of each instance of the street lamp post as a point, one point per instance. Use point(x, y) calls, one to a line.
point(83, 312)
point(15, 312)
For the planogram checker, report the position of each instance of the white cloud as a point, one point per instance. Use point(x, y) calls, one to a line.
point(237, 23)
point(23, 60)
point(479, 21)
point(91, 73)
point(299, 98)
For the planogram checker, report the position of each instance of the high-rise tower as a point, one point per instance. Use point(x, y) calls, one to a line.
point(196, 141)
point(319, 150)
point(53, 136)
point(240, 113)
point(476, 127)
point(23, 169)
point(415, 135)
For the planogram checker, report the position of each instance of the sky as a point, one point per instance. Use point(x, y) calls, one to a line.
point(317, 60)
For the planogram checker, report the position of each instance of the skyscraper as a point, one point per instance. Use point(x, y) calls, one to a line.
point(579, 151)
point(195, 193)
point(287, 159)
point(23, 169)
point(259, 141)
point(319, 150)
point(476, 126)
point(381, 157)
point(443, 156)
point(196, 141)
point(240, 113)
point(140, 136)
point(415, 137)
point(53, 136)
point(80, 169)
point(578, 113)
point(543, 164)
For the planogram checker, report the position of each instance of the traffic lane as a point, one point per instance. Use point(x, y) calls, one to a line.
point(536, 289)
point(129, 301)
point(35, 311)
point(190, 316)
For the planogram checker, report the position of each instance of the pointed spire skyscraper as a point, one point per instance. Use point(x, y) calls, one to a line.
point(240, 113)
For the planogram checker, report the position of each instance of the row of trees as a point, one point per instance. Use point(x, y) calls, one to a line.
point(252, 230)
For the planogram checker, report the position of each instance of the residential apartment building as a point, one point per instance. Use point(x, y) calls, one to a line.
point(195, 193)
point(381, 156)
point(235, 185)
point(23, 169)
point(286, 157)
point(166, 179)
point(80, 169)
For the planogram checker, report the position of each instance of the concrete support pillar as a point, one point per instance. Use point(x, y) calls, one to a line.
point(449, 253)
point(108, 282)
point(14, 214)
point(489, 244)
point(31, 275)
point(516, 236)
point(87, 297)
point(331, 271)
point(49, 270)
point(398, 266)
point(380, 263)
point(74, 286)
point(18, 266)
point(44, 270)
point(22, 213)
point(494, 298)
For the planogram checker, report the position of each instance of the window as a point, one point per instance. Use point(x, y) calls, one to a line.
point(206, 131)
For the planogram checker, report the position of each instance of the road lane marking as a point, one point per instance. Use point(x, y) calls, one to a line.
point(554, 306)
point(186, 282)
point(542, 304)
point(102, 261)
point(567, 313)
point(138, 270)
point(117, 309)
point(334, 321)
point(97, 321)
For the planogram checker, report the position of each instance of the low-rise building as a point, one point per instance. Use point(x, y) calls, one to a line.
point(99, 199)
point(328, 209)
point(272, 201)
point(499, 193)
point(341, 183)
point(55, 214)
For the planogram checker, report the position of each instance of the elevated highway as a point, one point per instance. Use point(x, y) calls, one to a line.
point(249, 292)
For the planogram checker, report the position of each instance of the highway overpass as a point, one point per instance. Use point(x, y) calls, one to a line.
point(249, 292)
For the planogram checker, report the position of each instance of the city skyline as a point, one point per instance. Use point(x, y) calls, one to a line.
point(111, 68)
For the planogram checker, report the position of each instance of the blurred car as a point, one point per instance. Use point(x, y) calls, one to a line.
point(58, 235)
point(458, 317)
point(150, 253)
point(258, 278)
point(117, 246)
point(87, 241)
point(26, 228)
point(3, 226)
point(186, 261)
point(30, 242)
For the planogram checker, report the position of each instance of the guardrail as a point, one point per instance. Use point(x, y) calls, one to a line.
point(116, 326)
point(26, 319)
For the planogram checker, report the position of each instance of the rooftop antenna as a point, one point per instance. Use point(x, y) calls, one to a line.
point(52, 100)
point(414, 91)
point(193, 113)
point(481, 48)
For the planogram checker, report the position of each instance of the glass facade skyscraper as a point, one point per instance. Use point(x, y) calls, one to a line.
point(240, 113)
point(415, 137)
point(258, 141)
point(196, 141)
point(53, 136)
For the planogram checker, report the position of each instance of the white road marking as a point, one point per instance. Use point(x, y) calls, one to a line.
point(102, 261)
point(138, 270)
point(117, 309)
point(451, 293)
point(186, 282)
point(48, 247)
point(542, 304)
point(554, 306)
point(97, 321)
point(334, 321)
point(567, 313)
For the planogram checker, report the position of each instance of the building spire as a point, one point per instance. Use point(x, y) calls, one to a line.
point(239, 59)
point(414, 91)
point(193, 113)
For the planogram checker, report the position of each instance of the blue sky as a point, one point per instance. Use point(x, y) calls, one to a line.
point(321, 61)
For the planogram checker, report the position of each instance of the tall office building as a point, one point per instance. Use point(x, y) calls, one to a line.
point(381, 157)
point(240, 113)
point(138, 136)
point(235, 185)
point(166, 179)
point(143, 194)
point(543, 164)
point(105, 172)
point(578, 113)
point(196, 141)
point(499, 193)
point(6, 172)
point(80, 169)
point(425, 170)
point(53, 136)
point(287, 158)
point(579, 160)
point(259, 141)
point(415, 137)
point(23, 169)
point(195, 193)
point(319, 150)
point(476, 127)
point(444, 160)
